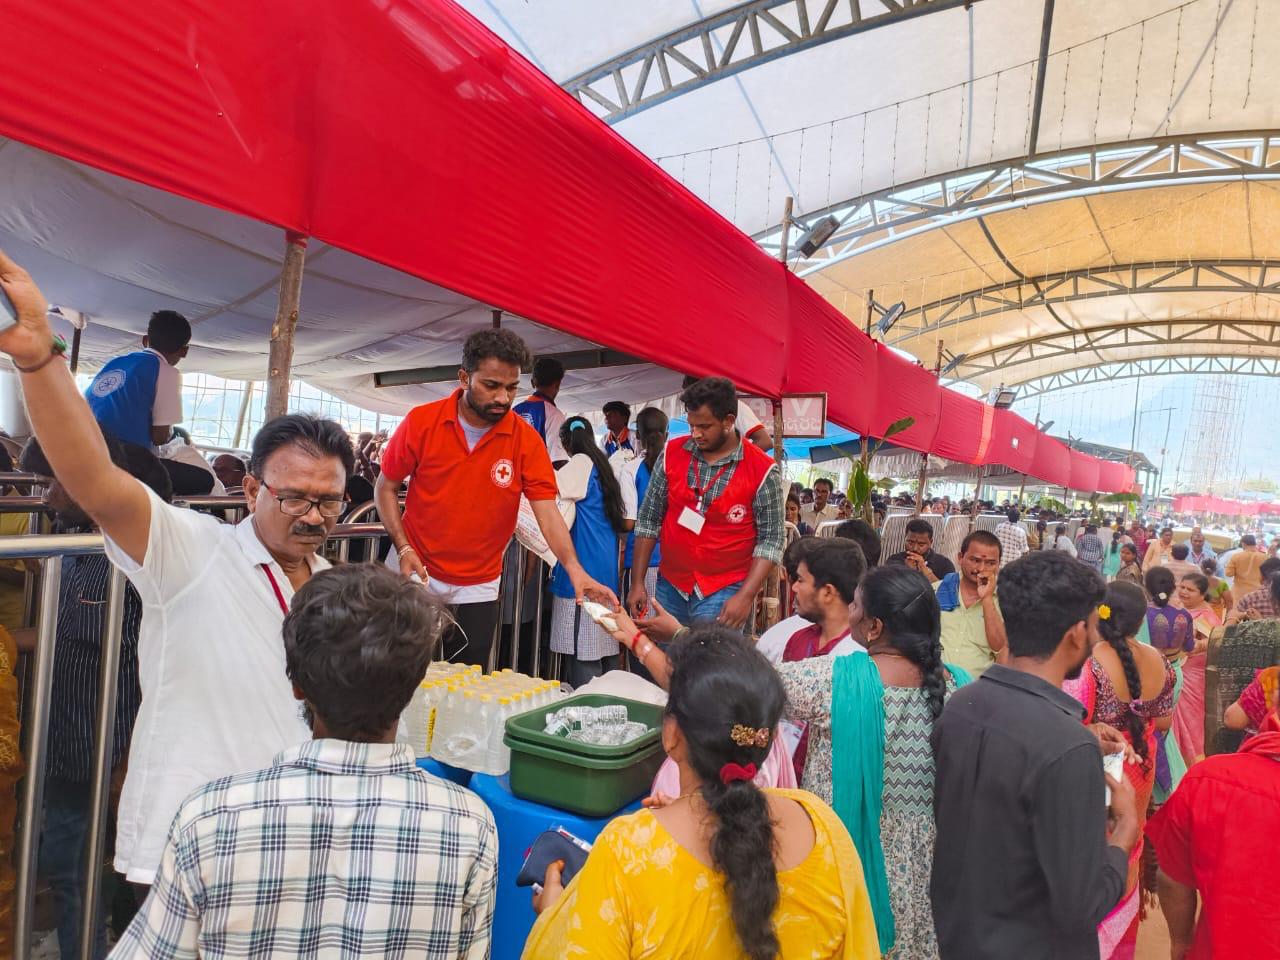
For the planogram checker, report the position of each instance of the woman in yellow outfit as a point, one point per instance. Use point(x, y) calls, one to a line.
point(725, 870)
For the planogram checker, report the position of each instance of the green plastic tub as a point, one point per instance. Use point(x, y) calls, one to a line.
point(590, 780)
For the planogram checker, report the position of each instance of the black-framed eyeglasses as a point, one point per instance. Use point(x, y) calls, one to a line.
point(294, 506)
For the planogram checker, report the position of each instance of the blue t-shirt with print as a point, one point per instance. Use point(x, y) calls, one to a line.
point(123, 395)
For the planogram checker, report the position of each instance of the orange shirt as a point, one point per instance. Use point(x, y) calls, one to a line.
point(462, 505)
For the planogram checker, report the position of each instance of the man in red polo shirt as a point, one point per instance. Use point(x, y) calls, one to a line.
point(1214, 837)
point(468, 458)
point(717, 506)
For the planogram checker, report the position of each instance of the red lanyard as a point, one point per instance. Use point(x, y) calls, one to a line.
point(271, 578)
point(699, 492)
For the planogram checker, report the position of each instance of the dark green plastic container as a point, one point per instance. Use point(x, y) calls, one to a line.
point(583, 778)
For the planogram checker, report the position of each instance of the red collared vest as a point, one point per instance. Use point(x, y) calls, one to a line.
point(720, 555)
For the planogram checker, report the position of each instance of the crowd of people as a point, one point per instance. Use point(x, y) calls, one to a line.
point(909, 766)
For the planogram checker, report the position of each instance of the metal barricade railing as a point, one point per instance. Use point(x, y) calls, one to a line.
point(52, 549)
point(21, 481)
point(232, 505)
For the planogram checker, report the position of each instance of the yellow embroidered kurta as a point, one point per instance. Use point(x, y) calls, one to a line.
point(642, 895)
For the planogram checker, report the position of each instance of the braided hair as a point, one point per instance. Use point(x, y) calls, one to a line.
point(719, 684)
point(902, 599)
point(1128, 609)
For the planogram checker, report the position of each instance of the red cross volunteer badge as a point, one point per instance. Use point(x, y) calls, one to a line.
point(737, 513)
point(502, 473)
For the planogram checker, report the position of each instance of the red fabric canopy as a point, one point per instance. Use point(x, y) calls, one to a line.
point(409, 134)
point(1233, 508)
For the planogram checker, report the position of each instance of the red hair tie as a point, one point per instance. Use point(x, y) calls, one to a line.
point(732, 771)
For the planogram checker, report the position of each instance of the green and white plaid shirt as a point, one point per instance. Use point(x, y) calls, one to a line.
point(338, 849)
point(768, 506)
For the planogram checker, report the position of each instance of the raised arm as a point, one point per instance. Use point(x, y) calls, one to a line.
point(68, 434)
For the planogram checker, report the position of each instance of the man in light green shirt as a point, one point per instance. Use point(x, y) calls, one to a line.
point(972, 627)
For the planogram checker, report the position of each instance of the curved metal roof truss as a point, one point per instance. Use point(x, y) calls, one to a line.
point(1150, 367)
point(719, 46)
point(888, 215)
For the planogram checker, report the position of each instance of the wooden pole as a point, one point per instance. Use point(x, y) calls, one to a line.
point(771, 610)
point(924, 457)
point(281, 357)
point(783, 251)
point(497, 319)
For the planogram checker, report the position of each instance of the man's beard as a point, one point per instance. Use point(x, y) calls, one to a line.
point(813, 616)
point(491, 414)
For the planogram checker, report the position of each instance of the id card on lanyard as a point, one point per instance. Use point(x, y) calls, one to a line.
point(275, 588)
point(695, 517)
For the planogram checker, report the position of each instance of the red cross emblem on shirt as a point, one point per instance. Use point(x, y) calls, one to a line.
point(502, 473)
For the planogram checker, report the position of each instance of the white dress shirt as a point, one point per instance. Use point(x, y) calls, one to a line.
point(215, 698)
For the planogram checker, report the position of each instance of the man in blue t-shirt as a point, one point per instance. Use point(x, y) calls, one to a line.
point(540, 410)
point(137, 397)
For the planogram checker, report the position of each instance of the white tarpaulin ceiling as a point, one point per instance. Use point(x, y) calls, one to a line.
point(950, 90)
point(946, 90)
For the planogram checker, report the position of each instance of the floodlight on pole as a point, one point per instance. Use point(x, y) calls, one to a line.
point(889, 316)
point(954, 362)
point(816, 236)
point(1003, 397)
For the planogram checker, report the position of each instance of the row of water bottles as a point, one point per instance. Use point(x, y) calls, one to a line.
point(458, 715)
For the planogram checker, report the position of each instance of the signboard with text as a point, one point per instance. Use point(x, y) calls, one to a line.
point(804, 415)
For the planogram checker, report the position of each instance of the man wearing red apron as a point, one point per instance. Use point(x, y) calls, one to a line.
point(716, 504)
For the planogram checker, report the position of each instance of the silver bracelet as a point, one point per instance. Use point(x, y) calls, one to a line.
point(407, 548)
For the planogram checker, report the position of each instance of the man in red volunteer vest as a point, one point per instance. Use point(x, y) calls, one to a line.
point(716, 505)
point(468, 458)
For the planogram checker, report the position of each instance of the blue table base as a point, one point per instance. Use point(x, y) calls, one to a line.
point(519, 823)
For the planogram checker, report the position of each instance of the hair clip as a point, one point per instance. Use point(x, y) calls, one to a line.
point(745, 736)
point(1104, 612)
point(577, 423)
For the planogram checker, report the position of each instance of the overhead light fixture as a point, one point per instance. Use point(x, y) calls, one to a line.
point(1046, 425)
point(816, 236)
point(1002, 397)
point(890, 316)
point(954, 362)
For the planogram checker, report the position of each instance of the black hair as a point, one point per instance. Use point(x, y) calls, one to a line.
point(715, 393)
point(719, 681)
point(837, 562)
point(984, 537)
point(1274, 581)
point(1166, 530)
point(315, 435)
point(577, 437)
point(1248, 540)
point(1115, 542)
point(1059, 530)
point(1091, 528)
point(168, 331)
point(617, 406)
point(1159, 583)
point(864, 535)
point(500, 344)
point(357, 642)
point(1042, 595)
point(917, 525)
point(138, 462)
point(1013, 516)
point(1131, 547)
point(1180, 551)
point(1200, 580)
point(796, 551)
point(547, 371)
point(831, 487)
point(1269, 566)
point(6, 460)
point(1209, 567)
point(1128, 610)
point(903, 600)
point(792, 498)
point(651, 428)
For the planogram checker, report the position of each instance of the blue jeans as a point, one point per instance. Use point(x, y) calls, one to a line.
point(62, 860)
point(697, 608)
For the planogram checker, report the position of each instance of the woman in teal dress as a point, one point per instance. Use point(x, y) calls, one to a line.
point(1111, 559)
point(870, 720)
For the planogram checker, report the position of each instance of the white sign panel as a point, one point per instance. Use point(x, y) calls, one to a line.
point(804, 415)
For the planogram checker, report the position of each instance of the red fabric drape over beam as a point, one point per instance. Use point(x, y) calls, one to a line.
point(410, 134)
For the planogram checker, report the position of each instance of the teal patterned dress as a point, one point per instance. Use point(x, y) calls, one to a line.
point(907, 830)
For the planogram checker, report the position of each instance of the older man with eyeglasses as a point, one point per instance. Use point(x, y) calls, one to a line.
point(215, 697)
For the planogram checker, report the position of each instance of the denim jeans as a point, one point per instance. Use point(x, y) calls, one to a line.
point(696, 608)
point(62, 860)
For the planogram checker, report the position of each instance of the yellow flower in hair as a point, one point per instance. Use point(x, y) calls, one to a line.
point(1104, 612)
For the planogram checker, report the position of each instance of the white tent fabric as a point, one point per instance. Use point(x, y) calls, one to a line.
point(953, 90)
point(116, 250)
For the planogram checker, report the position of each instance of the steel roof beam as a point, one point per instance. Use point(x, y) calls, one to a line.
point(1239, 276)
point(747, 35)
point(1151, 367)
point(875, 219)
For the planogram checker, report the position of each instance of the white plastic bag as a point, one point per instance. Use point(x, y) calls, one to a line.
point(572, 480)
